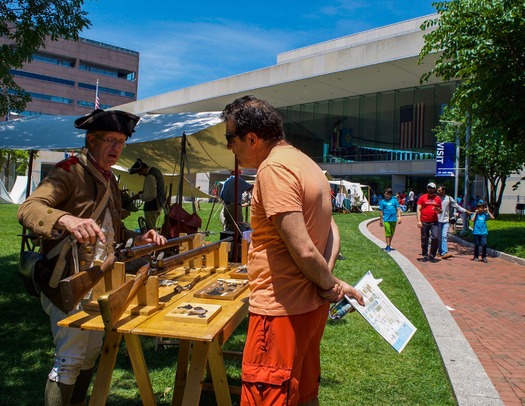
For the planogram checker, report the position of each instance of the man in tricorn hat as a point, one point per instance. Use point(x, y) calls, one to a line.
point(78, 208)
point(152, 193)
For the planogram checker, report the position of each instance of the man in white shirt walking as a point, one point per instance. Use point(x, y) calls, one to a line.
point(447, 203)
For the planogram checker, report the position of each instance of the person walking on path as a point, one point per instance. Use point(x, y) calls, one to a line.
point(411, 201)
point(428, 208)
point(447, 203)
point(293, 249)
point(480, 230)
point(389, 216)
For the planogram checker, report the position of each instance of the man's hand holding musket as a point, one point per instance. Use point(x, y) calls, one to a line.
point(87, 231)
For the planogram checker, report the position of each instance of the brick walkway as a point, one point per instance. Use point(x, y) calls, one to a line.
point(488, 302)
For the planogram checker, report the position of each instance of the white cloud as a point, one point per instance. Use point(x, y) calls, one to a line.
point(175, 55)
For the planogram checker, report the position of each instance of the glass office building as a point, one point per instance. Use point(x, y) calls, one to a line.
point(376, 128)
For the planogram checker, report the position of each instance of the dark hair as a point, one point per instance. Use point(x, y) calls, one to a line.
point(442, 187)
point(250, 114)
point(389, 190)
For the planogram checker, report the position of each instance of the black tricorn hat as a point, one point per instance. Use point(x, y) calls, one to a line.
point(137, 166)
point(112, 120)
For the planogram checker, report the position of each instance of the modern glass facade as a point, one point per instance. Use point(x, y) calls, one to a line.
point(376, 129)
point(386, 126)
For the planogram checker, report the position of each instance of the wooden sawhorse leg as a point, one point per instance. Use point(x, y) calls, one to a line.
point(140, 369)
point(188, 381)
point(106, 365)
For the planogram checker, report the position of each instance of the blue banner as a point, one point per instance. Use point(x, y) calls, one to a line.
point(445, 159)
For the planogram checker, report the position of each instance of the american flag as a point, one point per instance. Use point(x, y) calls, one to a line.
point(411, 126)
point(97, 100)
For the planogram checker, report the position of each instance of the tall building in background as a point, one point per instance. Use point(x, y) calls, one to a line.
point(62, 80)
point(62, 77)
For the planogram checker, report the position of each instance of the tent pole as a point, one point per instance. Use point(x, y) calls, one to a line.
point(181, 166)
point(211, 213)
point(25, 240)
point(235, 214)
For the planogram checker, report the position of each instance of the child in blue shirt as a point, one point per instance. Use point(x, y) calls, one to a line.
point(480, 230)
point(389, 216)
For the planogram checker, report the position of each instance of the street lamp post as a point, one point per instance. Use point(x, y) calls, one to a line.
point(465, 196)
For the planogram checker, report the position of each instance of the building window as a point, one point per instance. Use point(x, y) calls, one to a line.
point(54, 60)
point(83, 103)
point(115, 73)
point(47, 97)
point(45, 78)
point(106, 90)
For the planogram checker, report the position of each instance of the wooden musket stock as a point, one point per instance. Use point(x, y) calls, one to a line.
point(129, 254)
point(74, 288)
point(113, 304)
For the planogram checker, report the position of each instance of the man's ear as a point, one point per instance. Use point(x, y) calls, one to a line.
point(252, 138)
point(90, 140)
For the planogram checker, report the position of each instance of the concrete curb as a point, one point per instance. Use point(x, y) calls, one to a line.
point(469, 381)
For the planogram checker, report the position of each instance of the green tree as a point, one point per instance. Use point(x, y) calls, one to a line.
point(482, 43)
point(496, 158)
point(9, 157)
point(24, 27)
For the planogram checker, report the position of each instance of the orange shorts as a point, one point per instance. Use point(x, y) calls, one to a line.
point(281, 362)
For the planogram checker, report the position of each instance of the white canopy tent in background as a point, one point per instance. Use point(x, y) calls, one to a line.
point(17, 194)
point(4, 194)
point(157, 141)
point(352, 190)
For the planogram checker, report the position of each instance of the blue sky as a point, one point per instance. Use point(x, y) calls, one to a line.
point(185, 43)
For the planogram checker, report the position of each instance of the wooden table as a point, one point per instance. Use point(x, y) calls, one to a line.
point(203, 341)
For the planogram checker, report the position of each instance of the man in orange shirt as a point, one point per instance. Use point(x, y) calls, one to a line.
point(294, 246)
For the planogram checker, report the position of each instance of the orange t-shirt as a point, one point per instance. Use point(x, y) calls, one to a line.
point(287, 181)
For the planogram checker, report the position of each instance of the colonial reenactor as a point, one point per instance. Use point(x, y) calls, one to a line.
point(76, 209)
point(152, 193)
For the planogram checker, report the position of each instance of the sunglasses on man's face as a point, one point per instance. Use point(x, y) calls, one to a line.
point(230, 137)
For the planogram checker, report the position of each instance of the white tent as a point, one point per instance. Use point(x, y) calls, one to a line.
point(4, 194)
point(18, 192)
point(354, 191)
point(157, 141)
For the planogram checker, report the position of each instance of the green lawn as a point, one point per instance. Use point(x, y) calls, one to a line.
point(359, 367)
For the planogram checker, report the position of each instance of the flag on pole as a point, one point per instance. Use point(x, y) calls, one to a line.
point(411, 126)
point(97, 101)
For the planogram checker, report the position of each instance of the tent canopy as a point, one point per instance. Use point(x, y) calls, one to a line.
point(156, 140)
point(134, 183)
